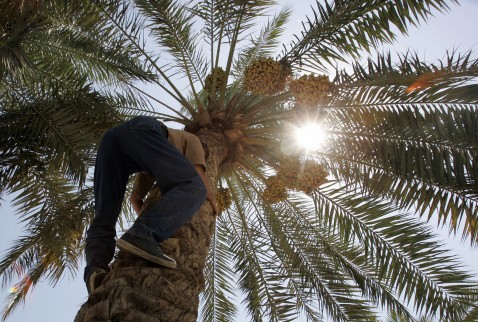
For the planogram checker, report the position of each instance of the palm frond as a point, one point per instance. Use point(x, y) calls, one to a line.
point(90, 44)
point(172, 27)
point(451, 207)
point(223, 19)
point(342, 28)
point(423, 157)
point(365, 256)
point(305, 256)
point(240, 19)
point(310, 267)
point(265, 291)
point(409, 81)
point(471, 315)
point(217, 299)
point(385, 238)
point(56, 129)
point(130, 26)
point(56, 215)
point(71, 41)
point(264, 44)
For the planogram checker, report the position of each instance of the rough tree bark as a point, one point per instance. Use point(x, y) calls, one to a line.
point(138, 290)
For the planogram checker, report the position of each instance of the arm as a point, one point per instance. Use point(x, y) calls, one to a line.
point(210, 195)
point(141, 186)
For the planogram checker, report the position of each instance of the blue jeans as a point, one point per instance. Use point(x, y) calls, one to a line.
point(140, 145)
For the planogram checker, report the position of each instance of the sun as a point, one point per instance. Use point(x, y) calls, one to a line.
point(310, 136)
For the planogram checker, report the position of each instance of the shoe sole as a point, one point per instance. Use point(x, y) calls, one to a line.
point(130, 248)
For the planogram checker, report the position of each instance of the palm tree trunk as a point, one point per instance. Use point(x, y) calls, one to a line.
point(138, 290)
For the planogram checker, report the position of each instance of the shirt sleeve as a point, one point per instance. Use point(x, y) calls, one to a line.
point(194, 151)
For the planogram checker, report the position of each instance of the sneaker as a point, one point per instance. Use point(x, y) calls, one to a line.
point(94, 280)
point(145, 249)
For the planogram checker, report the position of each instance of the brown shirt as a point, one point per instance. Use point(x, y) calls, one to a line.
point(188, 144)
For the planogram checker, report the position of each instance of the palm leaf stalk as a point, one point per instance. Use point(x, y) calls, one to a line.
point(402, 139)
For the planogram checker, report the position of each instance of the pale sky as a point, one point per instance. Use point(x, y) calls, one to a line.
point(456, 29)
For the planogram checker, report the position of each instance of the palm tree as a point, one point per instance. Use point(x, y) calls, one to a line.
point(57, 60)
point(328, 233)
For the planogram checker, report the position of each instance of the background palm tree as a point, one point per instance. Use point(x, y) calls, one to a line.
point(402, 139)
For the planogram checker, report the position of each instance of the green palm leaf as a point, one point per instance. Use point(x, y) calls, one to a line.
point(429, 147)
point(341, 28)
point(217, 297)
point(171, 25)
point(54, 213)
point(265, 43)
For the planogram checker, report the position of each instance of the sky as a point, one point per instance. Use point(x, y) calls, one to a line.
point(456, 29)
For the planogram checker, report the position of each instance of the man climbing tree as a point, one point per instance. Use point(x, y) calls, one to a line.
point(175, 160)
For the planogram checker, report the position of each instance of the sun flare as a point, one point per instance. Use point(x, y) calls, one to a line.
point(310, 136)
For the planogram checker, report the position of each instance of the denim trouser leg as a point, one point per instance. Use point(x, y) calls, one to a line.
point(110, 179)
point(140, 145)
point(183, 192)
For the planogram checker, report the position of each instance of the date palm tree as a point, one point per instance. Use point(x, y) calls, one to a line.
point(328, 233)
